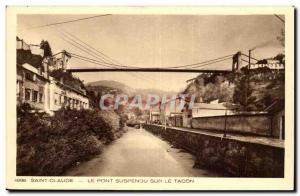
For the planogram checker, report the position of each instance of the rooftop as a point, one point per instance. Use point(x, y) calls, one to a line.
point(220, 106)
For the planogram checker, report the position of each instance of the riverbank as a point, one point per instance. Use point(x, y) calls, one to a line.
point(236, 156)
point(49, 145)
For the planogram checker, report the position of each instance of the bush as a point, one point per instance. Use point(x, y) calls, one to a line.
point(49, 145)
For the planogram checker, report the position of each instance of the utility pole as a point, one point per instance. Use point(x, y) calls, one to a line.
point(225, 124)
point(249, 60)
point(248, 79)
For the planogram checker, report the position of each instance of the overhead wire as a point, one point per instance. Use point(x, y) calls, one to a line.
point(250, 57)
point(70, 21)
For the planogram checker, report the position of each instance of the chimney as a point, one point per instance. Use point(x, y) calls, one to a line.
point(40, 70)
point(46, 67)
point(63, 57)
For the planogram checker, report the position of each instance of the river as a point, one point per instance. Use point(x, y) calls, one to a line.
point(140, 153)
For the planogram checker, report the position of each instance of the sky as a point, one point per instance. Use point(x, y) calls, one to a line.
point(156, 41)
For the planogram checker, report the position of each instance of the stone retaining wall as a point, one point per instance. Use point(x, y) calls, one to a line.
point(232, 157)
point(259, 124)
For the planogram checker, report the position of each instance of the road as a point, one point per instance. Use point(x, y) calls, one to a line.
point(140, 153)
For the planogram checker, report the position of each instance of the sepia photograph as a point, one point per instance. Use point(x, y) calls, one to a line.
point(147, 97)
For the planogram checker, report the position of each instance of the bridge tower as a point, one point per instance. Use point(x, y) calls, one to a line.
point(237, 61)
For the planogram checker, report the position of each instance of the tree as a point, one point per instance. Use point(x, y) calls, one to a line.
point(137, 112)
point(281, 37)
point(280, 57)
point(211, 92)
point(46, 47)
point(243, 92)
point(226, 93)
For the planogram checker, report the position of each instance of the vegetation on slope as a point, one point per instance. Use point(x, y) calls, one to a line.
point(49, 145)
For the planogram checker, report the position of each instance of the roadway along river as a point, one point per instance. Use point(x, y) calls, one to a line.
point(140, 153)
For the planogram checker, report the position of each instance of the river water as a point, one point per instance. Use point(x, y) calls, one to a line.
point(140, 153)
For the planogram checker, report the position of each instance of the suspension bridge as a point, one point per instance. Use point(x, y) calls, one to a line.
point(102, 66)
point(104, 63)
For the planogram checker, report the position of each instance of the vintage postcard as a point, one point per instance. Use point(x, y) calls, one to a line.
point(150, 98)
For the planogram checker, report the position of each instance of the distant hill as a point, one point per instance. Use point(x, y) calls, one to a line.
point(153, 91)
point(109, 85)
point(99, 88)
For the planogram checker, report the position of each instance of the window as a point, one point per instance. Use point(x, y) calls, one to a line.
point(56, 99)
point(65, 100)
point(27, 94)
point(61, 101)
point(72, 103)
point(41, 97)
point(34, 96)
point(29, 76)
point(18, 87)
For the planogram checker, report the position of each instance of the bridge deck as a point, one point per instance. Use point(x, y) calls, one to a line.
point(146, 70)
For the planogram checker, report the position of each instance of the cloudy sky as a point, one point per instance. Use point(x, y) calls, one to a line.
point(156, 41)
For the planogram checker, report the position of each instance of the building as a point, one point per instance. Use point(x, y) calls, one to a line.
point(171, 112)
point(205, 110)
point(44, 93)
point(209, 109)
point(175, 119)
point(60, 61)
point(37, 88)
point(155, 117)
point(272, 66)
point(62, 95)
point(32, 87)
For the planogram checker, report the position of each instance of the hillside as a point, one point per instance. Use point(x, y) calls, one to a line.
point(210, 87)
point(265, 86)
point(98, 88)
point(109, 85)
point(153, 91)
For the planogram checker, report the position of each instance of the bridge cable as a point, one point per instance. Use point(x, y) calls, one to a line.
point(83, 48)
point(212, 61)
point(102, 62)
point(84, 51)
point(202, 62)
point(209, 63)
point(143, 77)
point(111, 65)
point(96, 50)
